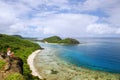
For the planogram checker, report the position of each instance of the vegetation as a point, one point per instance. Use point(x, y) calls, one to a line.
point(22, 48)
point(2, 63)
point(53, 39)
point(56, 39)
point(69, 41)
point(14, 76)
point(19, 36)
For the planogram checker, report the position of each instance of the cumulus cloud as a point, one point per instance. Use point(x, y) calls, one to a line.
point(100, 29)
point(114, 17)
point(59, 17)
point(67, 24)
point(99, 4)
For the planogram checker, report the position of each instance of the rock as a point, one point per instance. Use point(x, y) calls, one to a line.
point(48, 72)
point(96, 77)
point(17, 65)
point(54, 71)
point(13, 64)
point(7, 67)
point(2, 55)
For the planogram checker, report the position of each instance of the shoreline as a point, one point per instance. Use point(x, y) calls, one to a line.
point(30, 62)
point(53, 68)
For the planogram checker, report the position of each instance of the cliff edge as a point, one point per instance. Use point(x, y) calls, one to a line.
point(12, 65)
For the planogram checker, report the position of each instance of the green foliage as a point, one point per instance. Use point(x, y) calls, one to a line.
point(56, 39)
point(2, 63)
point(21, 47)
point(15, 43)
point(19, 36)
point(14, 76)
point(53, 39)
point(69, 41)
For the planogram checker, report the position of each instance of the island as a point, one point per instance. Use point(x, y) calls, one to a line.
point(57, 39)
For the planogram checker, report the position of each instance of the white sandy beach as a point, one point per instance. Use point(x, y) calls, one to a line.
point(30, 62)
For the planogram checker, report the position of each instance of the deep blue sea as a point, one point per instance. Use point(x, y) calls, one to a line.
point(97, 54)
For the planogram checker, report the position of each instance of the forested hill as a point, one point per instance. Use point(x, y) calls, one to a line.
point(22, 48)
point(16, 44)
point(57, 39)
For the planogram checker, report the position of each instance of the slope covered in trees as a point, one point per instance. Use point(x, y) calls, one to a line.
point(57, 39)
point(22, 48)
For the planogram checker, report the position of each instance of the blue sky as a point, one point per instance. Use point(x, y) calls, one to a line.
point(65, 18)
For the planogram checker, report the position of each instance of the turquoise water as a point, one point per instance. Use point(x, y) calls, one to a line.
point(95, 54)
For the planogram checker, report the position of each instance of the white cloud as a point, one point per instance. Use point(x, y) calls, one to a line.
point(20, 16)
point(67, 24)
point(91, 5)
point(117, 31)
point(18, 27)
point(100, 29)
point(32, 3)
point(7, 13)
point(114, 16)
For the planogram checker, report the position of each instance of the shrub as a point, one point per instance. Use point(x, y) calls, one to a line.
point(14, 76)
point(2, 63)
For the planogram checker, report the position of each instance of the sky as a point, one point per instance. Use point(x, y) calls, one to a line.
point(66, 18)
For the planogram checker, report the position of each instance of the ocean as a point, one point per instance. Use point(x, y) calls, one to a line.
point(102, 54)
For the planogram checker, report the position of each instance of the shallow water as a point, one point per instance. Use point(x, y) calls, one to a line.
point(95, 54)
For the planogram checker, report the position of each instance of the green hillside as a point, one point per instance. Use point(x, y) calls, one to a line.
point(57, 39)
point(53, 39)
point(69, 41)
point(21, 47)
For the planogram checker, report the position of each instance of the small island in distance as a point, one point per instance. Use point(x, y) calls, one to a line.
point(57, 39)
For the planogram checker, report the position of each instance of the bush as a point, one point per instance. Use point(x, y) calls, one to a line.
point(14, 76)
point(2, 63)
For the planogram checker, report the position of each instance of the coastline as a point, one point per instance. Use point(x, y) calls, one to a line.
point(30, 62)
point(53, 68)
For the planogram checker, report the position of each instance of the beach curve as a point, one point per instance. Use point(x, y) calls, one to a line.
point(30, 62)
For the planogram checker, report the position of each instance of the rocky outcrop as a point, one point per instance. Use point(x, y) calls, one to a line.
point(13, 65)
